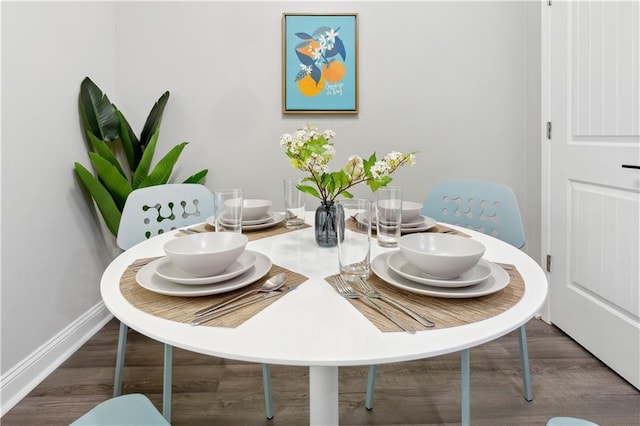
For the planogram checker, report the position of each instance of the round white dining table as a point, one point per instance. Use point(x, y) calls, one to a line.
point(314, 326)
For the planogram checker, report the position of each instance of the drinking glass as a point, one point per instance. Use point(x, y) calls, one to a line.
point(354, 246)
point(388, 215)
point(293, 204)
point(228, 206)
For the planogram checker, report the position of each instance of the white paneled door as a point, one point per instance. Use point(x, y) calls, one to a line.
point(594, 94)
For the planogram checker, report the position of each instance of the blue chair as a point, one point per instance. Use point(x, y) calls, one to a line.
point(133, 410)
point(490, 208)
point(151, 211)
point(569, 421)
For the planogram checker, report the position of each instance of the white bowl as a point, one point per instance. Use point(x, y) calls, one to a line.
point(442, 256)
point(206, 254)
point(255, 209)
point(410, 211)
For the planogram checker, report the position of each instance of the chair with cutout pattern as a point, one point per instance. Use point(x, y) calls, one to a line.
point(490, 208)
point(152, 211)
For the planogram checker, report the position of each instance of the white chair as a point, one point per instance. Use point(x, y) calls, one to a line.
point(152, 211)
point(132, 410)
point(490, 208)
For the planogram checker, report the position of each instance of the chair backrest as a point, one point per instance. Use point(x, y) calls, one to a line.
point(488, 207)
point(133, 409)
point(157, 209)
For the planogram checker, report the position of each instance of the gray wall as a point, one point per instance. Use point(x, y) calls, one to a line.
point(458, 82)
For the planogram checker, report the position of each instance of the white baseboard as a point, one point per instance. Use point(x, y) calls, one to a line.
point(31, 371)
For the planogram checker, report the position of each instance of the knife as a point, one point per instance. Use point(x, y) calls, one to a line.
point(221, 312)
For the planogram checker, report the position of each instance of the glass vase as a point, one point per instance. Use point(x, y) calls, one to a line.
point(326, 224)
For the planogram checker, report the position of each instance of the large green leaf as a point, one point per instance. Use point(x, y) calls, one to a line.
point(117, 185)
point(98, 115)
point(105, 152)
point(101, 196)
point(376, 184)
point(309, 190)
point(130, 143)
point(162, 171)
point(142, 171)
point(197, 177)
point(154, 119)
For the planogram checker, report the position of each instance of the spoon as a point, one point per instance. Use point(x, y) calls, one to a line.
point(272, 284)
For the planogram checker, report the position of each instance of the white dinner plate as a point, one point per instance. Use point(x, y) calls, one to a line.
point(268, 217)
point(169, 271)
point(420, 221)
point(424, 224)
point(148, 279)
point(496, 282)
point(427, 223)
point(276, 218)
point(399, 264)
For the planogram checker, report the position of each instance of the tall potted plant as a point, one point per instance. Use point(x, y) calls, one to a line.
point(108, 132)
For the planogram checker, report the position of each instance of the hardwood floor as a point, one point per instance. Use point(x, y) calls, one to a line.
point(567, 381)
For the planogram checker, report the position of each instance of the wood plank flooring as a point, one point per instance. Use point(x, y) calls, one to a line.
point(567, 381)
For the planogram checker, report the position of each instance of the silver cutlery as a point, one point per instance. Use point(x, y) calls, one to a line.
point(191, 231)
point(272, 284)
point(345, 290)
point(206, 318)
point(372, 293)
point(140, 263)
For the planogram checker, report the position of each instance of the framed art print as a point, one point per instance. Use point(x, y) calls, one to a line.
point(320, 63)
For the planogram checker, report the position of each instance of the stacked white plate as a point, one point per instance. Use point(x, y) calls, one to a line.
point(267, 221)
point(483, 279)
point(164, 277)
point(421, 224)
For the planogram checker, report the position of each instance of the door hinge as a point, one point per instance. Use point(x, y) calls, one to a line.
point(549, 3)
point(549, 130)
point(548, 263)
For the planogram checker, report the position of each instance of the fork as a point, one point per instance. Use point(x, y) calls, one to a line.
point(371, 292)
point(140, 263)
point(191, 231)
point(347, 291)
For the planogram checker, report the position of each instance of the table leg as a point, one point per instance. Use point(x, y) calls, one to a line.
point(323, 395)
point(465, 397)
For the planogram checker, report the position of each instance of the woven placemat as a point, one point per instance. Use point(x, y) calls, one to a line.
point(352, 225)
point(252, 235)
point(181, 309)
point(443, 312)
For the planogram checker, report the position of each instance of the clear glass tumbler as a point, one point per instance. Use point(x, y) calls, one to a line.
point(228, 210)
point(354, 246)
point(388, 215)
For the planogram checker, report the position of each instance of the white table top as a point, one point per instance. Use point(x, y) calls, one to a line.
point(313, 325)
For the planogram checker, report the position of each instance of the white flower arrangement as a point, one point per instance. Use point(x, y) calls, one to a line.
point(311, 150)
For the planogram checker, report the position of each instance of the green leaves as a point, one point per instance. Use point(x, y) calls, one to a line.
point(104, 151)
point(98, 115)
point(102, 197)
point(105, 125)
point(154, 119)
point(309, 190)
point(130, 142)
point(162, 171)
point(376, 184)
point(144, 166)
point(117, 185)
point(196, 178)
